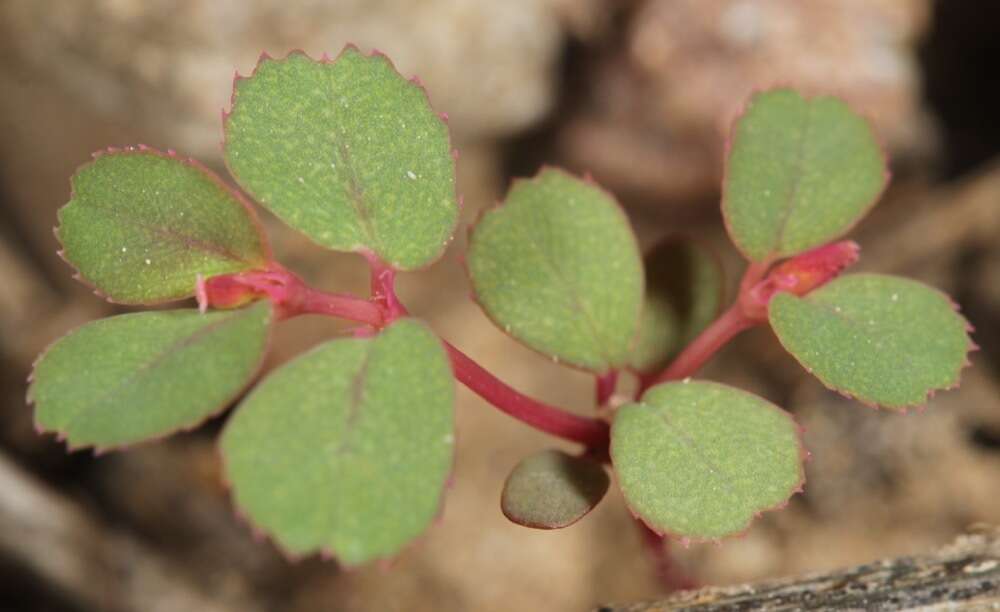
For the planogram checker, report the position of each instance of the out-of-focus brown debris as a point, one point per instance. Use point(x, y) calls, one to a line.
point(656, 114)
point(489, 65)
point(96, 567)
point(964, 575)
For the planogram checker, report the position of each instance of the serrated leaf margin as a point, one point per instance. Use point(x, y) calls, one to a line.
point(326, 59)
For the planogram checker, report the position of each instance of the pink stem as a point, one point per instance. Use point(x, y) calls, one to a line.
point(754, 274)
point(702, 348)
point(290, 295)
point(605, 387)
point(383, 288)
point(592, 433)
point(667, 572)
point(798, 275)
point(313, 301)
point(715, 336)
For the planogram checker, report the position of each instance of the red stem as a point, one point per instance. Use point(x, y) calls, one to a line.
point(314, 301)
point(715, 336)
point(754, 274)
point(701, 349)
point(592, 433)
point(295, 298)
point(798, 275)
point(670, 576)
point(605, 387)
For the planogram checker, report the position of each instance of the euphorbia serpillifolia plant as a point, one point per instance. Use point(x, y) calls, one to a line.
point(346, 450)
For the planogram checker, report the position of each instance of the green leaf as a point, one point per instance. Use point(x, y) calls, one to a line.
point(885, 340)
point(141, 225)
point(700, 460)
point(138, 376)
point(347, 448)
point(557, 267)
point(552, 489)
point(683, 296)
point(799, 174)
point(347, 152)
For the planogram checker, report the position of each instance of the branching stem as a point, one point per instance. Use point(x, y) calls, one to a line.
point(605, 387)
point(292, 297)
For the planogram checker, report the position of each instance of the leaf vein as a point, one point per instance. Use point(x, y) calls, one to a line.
point(147, 366)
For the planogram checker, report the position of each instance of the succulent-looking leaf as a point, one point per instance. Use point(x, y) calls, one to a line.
point(557, 267)
point(142, 225)
point(347, 152)
point(138, 376)
point(700, 460)
point(885, 340)
point(683, 296)
point(553, 489)
point(799, 173)
point(347, 448)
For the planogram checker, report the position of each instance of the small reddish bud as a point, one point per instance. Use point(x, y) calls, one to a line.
point(234, 290)
point(800, 275)
point(815, 268)
point(223, 292)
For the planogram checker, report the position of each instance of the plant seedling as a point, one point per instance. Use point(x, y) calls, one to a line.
point(347, 449)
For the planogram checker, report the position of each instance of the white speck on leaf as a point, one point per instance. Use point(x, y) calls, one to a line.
point(148, 262)
point(895, 297)
point(124, 249)
point(302, 180)
point(410, 174)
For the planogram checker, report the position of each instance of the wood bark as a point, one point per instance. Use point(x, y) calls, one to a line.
point(964, 575)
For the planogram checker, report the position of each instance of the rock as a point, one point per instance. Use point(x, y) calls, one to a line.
point(489, 65)
point(657, 114)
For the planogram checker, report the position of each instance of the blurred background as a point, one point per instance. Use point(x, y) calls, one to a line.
point(637, 92)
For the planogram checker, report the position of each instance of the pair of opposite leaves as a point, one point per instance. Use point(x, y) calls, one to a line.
point(697, 459)
point(327, 453)
point(351, 154)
